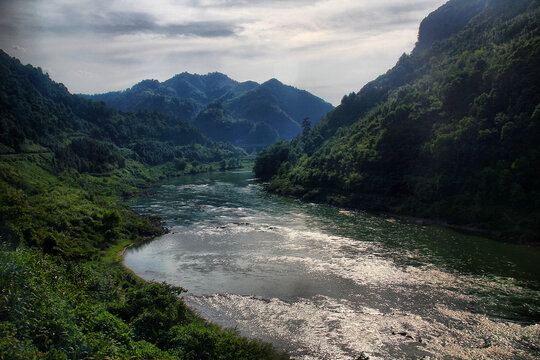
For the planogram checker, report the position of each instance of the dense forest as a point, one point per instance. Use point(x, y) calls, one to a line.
point(450, 133)
point(40, 115)
point(67, 164)
point(246, 114)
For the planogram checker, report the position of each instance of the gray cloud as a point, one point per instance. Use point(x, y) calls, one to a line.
point(331, 47)
point(407, 7)
point(380, 18)
point(12, 18)
point(251, 3)
point(209, 29)
point(127, 23)
point(122, 23)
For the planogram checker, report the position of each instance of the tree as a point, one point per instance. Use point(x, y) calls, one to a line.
point(306, 126)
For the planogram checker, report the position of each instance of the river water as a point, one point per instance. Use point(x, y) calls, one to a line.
point(325, 283)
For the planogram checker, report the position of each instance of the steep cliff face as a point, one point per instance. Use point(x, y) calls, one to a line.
point(446, 21)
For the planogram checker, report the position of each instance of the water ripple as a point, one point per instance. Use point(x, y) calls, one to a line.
point(327, 283)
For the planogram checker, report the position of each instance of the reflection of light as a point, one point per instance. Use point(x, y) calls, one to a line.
point(370, 289)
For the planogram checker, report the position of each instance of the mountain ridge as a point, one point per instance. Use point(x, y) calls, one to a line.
point(281, 108)
point(62, 118)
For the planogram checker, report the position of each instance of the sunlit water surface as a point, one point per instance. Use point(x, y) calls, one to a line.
point(325, 283)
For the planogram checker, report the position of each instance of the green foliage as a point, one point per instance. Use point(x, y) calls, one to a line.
point(61, 215)
point(58, 298)
point(152, 310)
point(268, 162)
point(211, 342)
point(450, 132)
point(56, 309)
point(89, 136)
point(88, 155)
point(180, 164)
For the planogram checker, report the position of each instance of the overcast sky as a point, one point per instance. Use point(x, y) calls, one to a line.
point(328, 47)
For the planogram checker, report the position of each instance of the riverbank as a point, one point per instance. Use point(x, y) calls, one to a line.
point(62, 290)
point(119, 254)
point(340, 200)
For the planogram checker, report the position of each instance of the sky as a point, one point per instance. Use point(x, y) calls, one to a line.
point(327, 47)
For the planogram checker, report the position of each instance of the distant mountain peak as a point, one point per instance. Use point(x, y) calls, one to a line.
point(244, 106)
point(273, 81)
point(209, 75)
point(217, 74)
point(146, 84)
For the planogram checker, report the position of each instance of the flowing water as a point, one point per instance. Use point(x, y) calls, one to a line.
point(325, 283)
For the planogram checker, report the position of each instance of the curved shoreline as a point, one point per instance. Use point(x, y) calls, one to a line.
point(119, 256)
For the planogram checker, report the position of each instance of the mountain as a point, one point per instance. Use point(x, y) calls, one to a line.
point(280, 106)
point(451, 132)
point(38, 114)
point(446, 21)
point(249, 115)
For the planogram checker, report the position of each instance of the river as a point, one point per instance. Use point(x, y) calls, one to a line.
point(325, 283)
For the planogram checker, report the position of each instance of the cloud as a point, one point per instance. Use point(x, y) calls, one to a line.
point(73, 21)
point(136, 23)
point(250, 3)
point(330, 47)
point(202, 28)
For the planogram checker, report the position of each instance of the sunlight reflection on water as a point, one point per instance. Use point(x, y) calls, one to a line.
point(325, 283)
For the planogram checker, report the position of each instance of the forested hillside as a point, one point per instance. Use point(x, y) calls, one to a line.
point(451, 132)
point(66, 164)
point(246, 114)
point(40, 115)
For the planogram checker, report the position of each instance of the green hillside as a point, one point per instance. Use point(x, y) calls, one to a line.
point(66, 166)
point(40, 114)
point(450, 133)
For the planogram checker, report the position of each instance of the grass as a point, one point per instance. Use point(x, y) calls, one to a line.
point(64, 293)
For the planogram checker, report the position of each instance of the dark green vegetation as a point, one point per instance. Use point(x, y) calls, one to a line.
point(450, 132)
point(246, 114)
point(66, 163)
point(38, 115)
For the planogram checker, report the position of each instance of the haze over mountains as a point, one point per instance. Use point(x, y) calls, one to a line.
point(247, 114)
